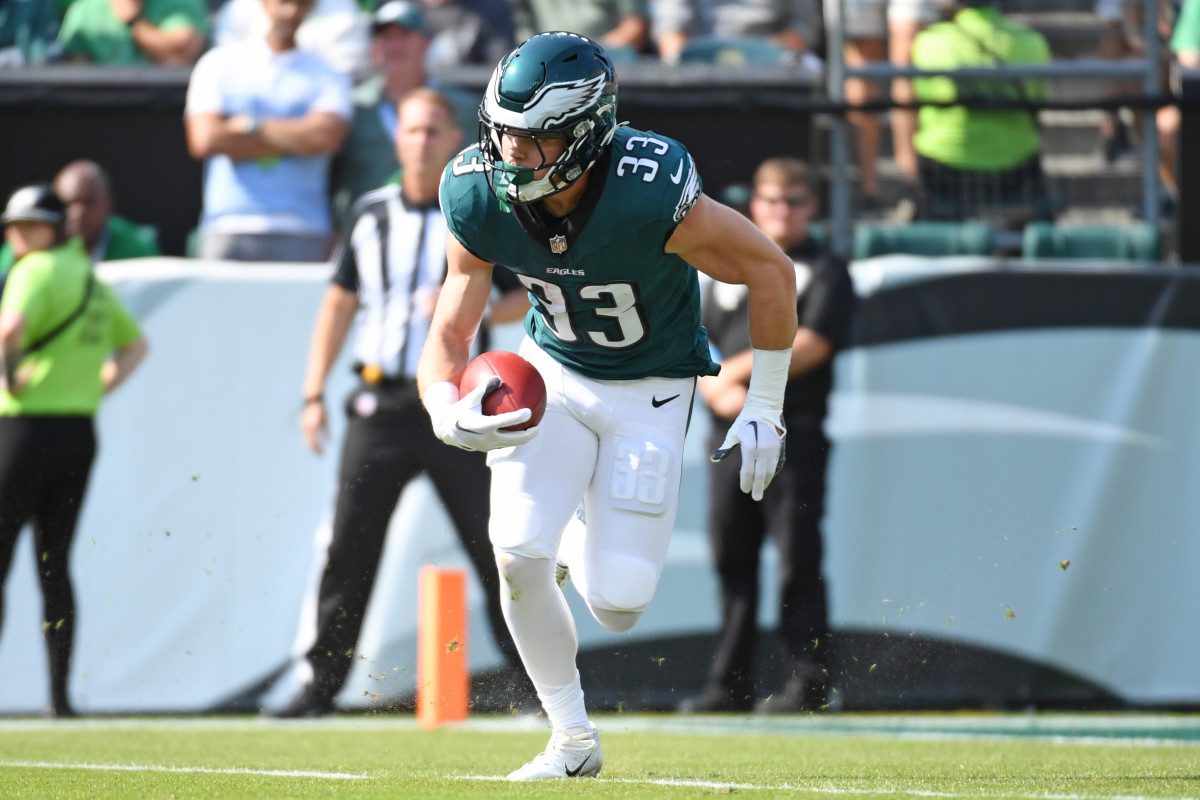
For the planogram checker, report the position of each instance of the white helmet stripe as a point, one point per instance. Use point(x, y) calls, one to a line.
point(552, 104)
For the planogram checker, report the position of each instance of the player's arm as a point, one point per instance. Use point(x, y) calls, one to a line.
point(726, 246)
point(460, 308)
point(726, 393)
point(809, 351)
point(447, 351)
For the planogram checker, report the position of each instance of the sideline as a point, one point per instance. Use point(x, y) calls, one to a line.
point(272, 773)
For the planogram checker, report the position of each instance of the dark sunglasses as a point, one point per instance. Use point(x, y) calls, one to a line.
point(793, 201)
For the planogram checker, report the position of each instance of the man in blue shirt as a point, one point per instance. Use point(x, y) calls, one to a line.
point(266, 117)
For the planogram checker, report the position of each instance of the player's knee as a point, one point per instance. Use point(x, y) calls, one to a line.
point(518, 572)
point(620, 583)
point(616, 621)
point(518, 529)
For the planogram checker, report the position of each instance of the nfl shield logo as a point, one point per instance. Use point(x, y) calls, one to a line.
point(558, 244)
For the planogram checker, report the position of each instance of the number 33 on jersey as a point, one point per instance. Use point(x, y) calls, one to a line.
point(607, 301)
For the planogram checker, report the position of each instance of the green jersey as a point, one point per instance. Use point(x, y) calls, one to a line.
point(976, 139)
point(92, 29)
point(607, 301)
point(46, 287)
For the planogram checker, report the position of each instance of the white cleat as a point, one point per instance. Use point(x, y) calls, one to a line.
point(573, 753)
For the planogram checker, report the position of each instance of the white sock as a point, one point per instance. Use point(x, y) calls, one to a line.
point(544, 631)
point(565, 708)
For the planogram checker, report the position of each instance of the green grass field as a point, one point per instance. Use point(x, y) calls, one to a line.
point(1048, 756)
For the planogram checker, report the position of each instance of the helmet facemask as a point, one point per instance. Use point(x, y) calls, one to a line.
point(518, 185)
point(554, 87)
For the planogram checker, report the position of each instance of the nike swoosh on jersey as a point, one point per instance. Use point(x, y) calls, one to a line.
point(571, 773)
point(678, 173)
point(654, 401)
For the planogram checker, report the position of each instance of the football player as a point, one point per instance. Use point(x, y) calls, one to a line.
point(605, 226)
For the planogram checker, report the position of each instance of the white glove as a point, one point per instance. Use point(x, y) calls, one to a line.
point(759, 430)
point(462, 423)
point(764, 448)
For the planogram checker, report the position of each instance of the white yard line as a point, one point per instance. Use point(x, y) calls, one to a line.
point(835, 790)
point(273, 773)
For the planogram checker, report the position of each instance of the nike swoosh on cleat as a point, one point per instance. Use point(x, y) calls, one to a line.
point(571, 773)
point(654, 401)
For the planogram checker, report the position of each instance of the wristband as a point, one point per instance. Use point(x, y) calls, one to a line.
point(439, 396)
point(768, 379)
point(316, 398)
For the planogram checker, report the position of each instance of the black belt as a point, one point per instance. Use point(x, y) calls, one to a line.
point(373, 375)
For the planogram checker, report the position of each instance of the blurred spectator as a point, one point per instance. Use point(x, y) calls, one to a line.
point(84, 187)
point(1185, 44)
point(792, 506)
point(1124, 39)
point(125, 32)
point(788, 23)
point(868, 24)
point(1114, 134)
point(67, 342)
point(266, 117)
point(1185, 39)
point(367, 158)
point(973, 160)
point(618, 25)
point(336, 30)
point(28, 32)
point(467, 32)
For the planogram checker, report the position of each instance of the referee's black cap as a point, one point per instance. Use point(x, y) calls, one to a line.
point(35, 203)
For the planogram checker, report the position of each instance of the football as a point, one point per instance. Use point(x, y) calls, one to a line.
point(523, 386)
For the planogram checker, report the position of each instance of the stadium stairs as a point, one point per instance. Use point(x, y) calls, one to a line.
point(1087, 187)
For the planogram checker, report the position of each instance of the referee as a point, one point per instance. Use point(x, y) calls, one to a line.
point(391, 266)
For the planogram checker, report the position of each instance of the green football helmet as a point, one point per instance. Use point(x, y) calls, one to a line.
point(552, 86)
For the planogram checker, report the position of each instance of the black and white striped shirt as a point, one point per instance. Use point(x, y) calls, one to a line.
point(394, 258)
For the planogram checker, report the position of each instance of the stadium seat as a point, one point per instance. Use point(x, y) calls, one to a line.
point(733, 51)
point(923, 239)
point(1131, 242)
point(624, 54)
